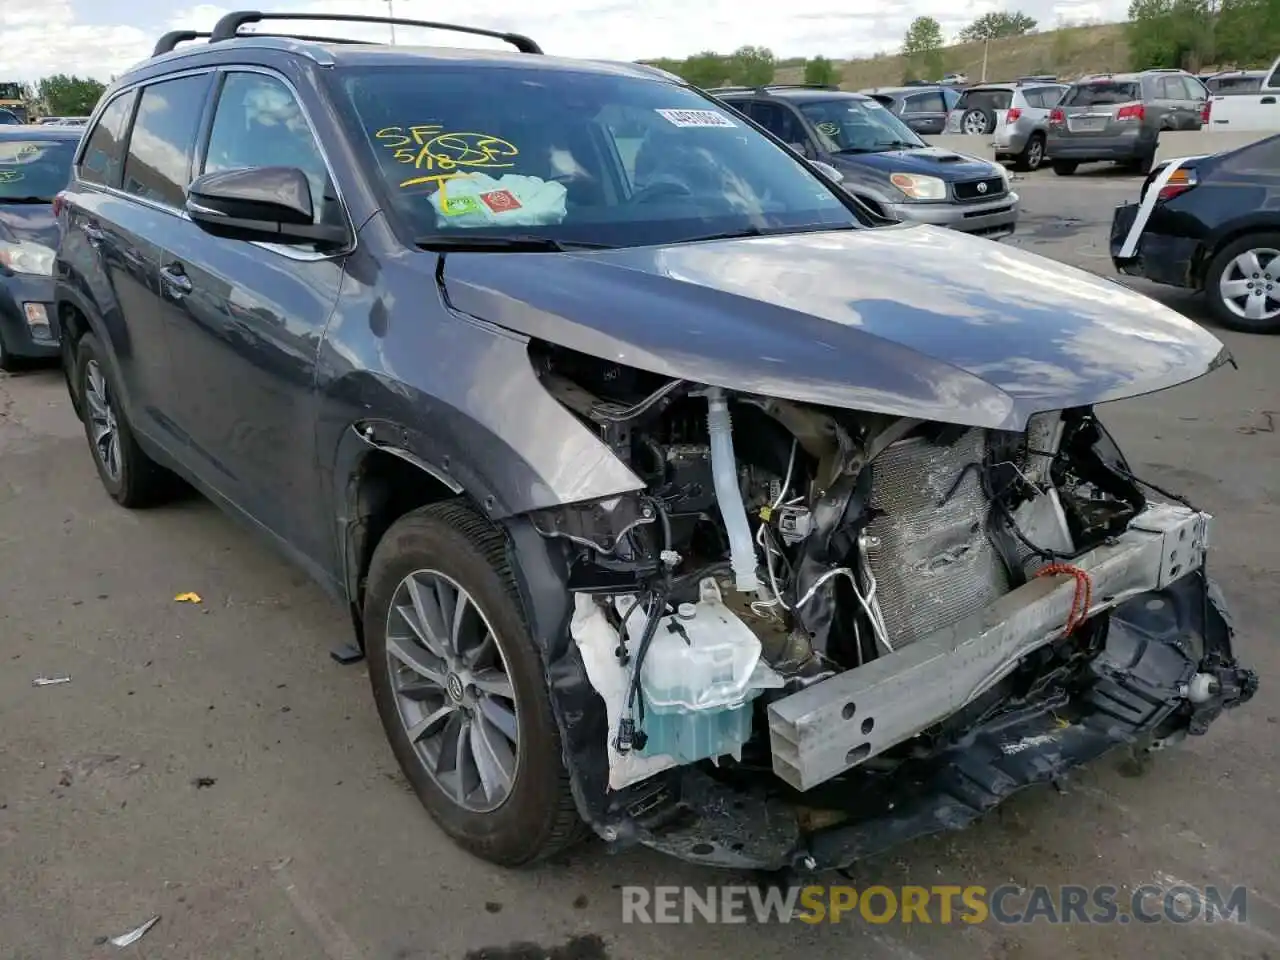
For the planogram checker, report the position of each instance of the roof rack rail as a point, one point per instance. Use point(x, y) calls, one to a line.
point(171, 39)
point(799, 86)
point(228, 28)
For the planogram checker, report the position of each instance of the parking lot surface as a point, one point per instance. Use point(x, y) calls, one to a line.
point(210, 764)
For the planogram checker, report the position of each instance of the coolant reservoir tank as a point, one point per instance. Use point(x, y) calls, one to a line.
point(699, 675)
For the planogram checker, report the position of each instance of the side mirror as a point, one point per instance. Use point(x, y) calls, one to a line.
point(270, 204)
point(828, 171)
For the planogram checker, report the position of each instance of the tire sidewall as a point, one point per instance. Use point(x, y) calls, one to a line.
point(1217, 304)
point(515, 831)
point(1038, 161)
point(90, 349)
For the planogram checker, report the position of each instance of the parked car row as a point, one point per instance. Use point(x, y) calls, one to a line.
point(880, 160)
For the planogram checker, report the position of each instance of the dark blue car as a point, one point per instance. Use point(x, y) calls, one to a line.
point(35, 163)
point(664, 485)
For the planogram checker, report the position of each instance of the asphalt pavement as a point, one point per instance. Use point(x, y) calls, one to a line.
point(209, 763)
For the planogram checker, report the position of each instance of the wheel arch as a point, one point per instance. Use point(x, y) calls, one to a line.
point(1228, 234)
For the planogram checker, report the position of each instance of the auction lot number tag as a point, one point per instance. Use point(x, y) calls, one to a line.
point(696, 118)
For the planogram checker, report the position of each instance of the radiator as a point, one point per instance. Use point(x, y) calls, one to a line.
point(933, 562)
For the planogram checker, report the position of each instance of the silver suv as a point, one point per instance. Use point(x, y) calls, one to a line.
point(1017, 113)
point(1119, 117)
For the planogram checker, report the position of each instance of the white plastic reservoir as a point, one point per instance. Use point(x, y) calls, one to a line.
point(699, 676)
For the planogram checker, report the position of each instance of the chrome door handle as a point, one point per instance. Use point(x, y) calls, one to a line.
point(176, 279)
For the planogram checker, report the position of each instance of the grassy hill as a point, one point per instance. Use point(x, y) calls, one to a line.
point(1068, 52)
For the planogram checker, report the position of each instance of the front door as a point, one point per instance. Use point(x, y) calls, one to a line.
point(251, 317)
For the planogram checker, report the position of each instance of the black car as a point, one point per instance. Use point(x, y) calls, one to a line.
point(1211, 224)
point(880, 160)
point(664, 485)
point(922, 108)
point(35, 163)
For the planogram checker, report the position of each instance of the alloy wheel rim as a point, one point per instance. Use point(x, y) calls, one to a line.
point(453, 690)
point(1250, 286)
point(973, 123)
point(104, 427)
point(1035, 154)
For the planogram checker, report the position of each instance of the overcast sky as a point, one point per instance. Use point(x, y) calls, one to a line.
point(102, 37)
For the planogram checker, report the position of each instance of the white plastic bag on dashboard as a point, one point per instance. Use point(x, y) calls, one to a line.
point(478, 200)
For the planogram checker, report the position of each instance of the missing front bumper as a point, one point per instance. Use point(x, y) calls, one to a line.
point(1135, 692)
point(826, 729)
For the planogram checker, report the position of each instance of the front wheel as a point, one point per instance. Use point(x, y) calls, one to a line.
point(1243, 284)
point(460, 687)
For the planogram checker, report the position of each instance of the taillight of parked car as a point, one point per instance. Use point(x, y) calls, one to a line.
point(1013, 115)
point(1206, 112)
point(1057, 117)
point(1179, 182)
point(1135, 112)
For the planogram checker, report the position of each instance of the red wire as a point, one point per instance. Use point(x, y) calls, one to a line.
point(1081, 600)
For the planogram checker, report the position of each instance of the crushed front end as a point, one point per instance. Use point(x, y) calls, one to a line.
point(816, 633)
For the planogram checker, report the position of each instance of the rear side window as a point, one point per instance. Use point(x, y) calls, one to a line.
point(925, 103)
point(1044, 97)
point(1195, 89)
point(985, 100)
point(104, 149)
point(1257, 158)
point(1170, 88)
point(1102, 94)
point(1274, 79)
point(160, 147)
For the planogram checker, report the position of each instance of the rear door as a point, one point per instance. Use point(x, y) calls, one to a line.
point(247, 319)
point(1172, 103)
point(925, 113)
point(1103, 108)
point(157, 168)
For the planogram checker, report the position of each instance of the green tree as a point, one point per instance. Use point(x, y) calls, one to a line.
point(922, 47)
point(821, 71)
point(1247, 33)
point(706, 69)
point(997, 25)
point(70, 96)
point(752, 66)
point(1171, 33)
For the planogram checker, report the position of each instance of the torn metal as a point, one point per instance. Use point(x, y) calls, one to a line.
point(49, 681)
point(816, 632)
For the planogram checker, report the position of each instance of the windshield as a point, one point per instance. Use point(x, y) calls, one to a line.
point(857, 126)
point(578, 157)
point(994, 99)
point(34, 168)
point(1101, 94)
point(10, 91)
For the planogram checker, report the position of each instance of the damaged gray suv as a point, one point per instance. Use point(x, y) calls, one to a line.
point(673, 496)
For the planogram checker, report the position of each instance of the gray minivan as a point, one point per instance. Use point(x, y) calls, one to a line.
point(1119, 118)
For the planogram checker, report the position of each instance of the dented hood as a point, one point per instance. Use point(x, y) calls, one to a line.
point(914, 321)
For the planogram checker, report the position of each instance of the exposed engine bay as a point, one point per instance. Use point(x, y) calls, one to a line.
point(817, 609)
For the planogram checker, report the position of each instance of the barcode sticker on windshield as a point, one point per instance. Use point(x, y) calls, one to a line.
point(697, 118)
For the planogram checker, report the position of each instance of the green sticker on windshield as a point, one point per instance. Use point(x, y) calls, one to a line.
point(10, 176)
point(829, 128)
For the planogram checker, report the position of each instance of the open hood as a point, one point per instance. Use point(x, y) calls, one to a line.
point(906, 320)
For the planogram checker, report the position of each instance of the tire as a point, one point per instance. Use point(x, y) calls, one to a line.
point(1141, 165)
point(1224, 266)
point(535, 817)
point(7, 360)
point(978, 121)
point(1065, 168)
point(135, 481)
point(1032, 156)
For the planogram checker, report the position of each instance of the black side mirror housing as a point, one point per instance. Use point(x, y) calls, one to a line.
point(271, 204)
